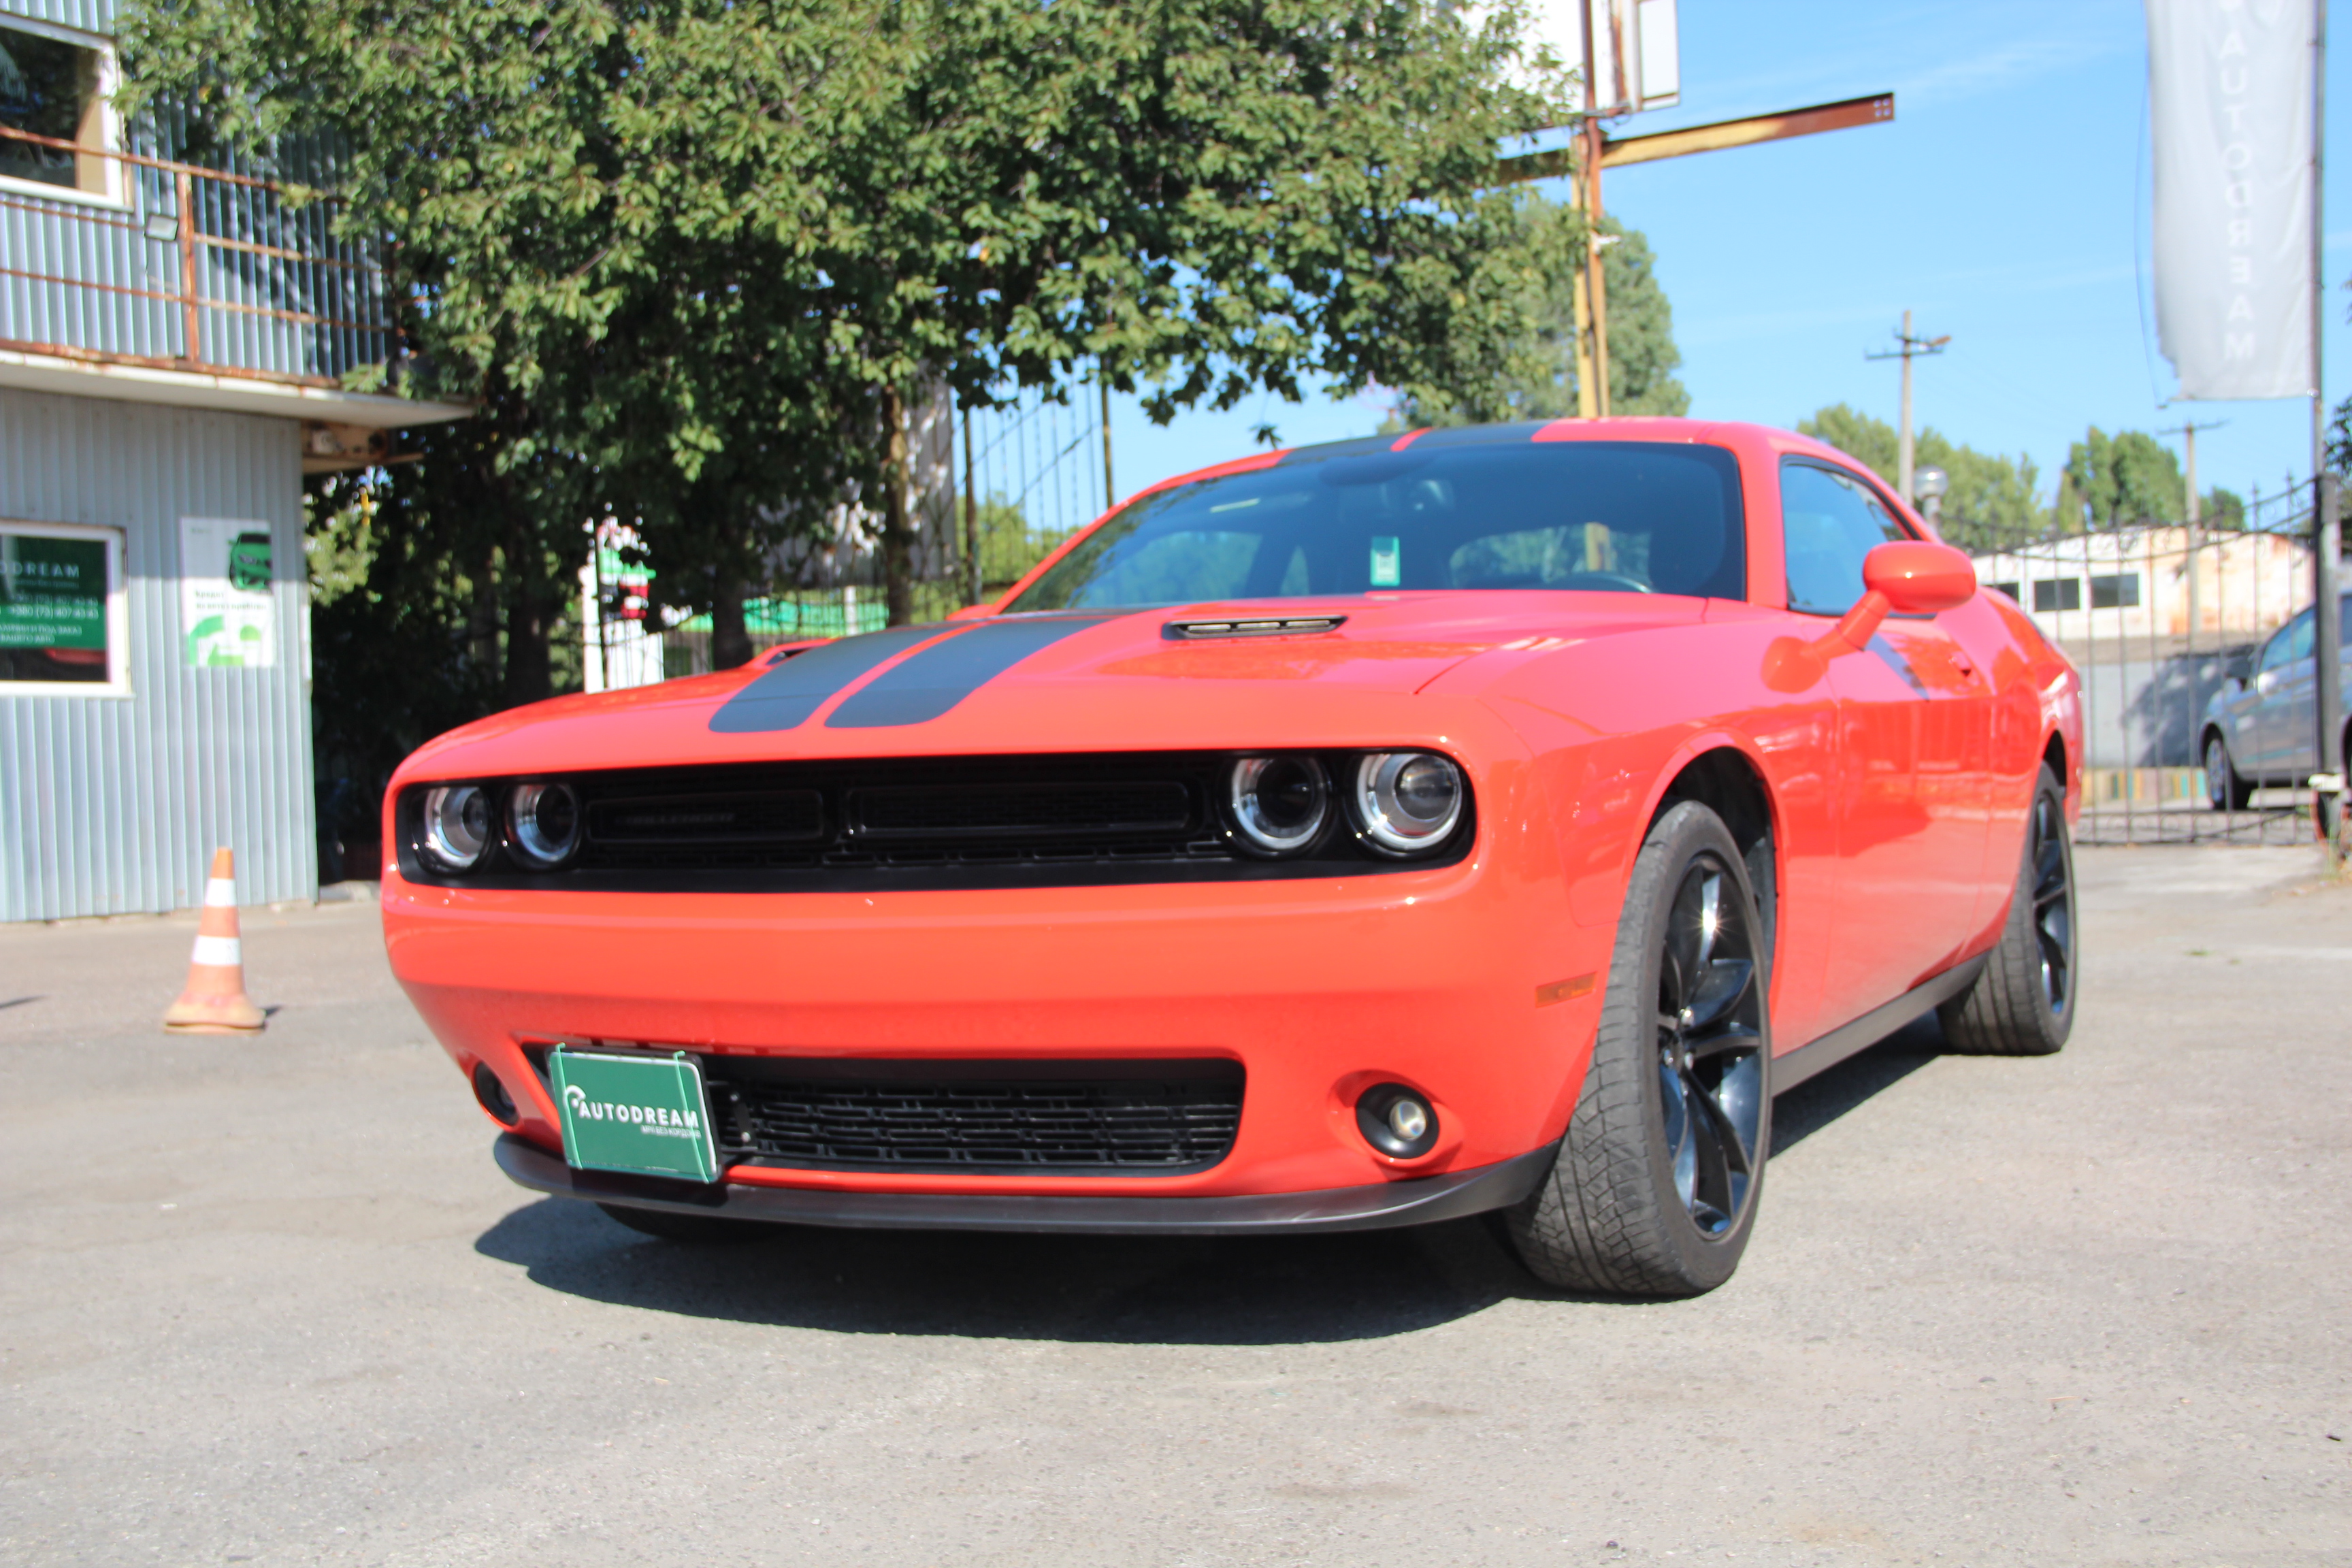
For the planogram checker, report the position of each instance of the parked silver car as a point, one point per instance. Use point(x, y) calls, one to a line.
point(2265, 731)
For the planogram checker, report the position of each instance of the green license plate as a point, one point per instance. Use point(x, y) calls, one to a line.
point(645, 1115)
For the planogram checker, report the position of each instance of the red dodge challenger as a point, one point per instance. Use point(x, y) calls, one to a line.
point(1483, 819)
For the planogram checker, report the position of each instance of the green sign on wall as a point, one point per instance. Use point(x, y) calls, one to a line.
point(52, 607)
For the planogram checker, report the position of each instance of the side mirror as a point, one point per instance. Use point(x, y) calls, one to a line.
point(1905, 577)
point(1919, 578)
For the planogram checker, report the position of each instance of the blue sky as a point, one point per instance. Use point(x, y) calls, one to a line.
point(2006, 205)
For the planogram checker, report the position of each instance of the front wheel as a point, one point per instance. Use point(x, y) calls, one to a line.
point(1655, 1186)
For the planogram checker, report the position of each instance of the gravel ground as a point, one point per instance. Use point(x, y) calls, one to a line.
point(267, 1301)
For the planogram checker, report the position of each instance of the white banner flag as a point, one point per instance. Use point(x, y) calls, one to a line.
point(2229, 106)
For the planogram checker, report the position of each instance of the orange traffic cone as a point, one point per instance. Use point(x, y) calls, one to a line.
point(214, 1002)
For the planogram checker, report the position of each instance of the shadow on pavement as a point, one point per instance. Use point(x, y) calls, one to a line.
point(1815, 1103)
point(1113, 1290)
point(1119, 1290)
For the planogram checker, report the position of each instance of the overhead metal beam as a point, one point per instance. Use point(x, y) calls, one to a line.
point(1841, 116)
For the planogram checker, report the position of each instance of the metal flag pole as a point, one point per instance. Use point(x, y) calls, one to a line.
point(2326, 527)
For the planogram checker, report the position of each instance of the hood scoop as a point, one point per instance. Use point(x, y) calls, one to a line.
point(1281, 626)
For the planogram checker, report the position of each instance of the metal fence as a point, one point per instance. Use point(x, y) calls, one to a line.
point(2162, 619)
point(191, 267)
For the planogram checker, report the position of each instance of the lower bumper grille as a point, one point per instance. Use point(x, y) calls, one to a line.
point(1088, 1117)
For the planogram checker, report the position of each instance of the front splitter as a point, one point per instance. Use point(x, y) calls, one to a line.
point(1420, 1201)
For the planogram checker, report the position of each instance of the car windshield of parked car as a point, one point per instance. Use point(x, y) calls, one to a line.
point(1621, 516)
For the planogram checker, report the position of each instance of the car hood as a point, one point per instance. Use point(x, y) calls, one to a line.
point(1206, 675)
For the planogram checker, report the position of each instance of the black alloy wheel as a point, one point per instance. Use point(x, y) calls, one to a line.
point(2023, 1003)
point(2053, 901)
point(1656, 1187)
point(1710, 1055)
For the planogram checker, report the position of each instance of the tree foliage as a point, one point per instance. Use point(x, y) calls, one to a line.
point(1536, 378)
point(2130, 477)
point(699, 252)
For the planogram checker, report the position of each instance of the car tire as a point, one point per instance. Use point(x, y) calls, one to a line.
point(2023, 1003)
point(694, 1229)
point(1654, 1189)
point(2224, 790)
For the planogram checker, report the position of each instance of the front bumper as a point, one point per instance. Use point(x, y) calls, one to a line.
point(1376, 1206)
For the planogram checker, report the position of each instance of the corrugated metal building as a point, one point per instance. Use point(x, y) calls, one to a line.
point(171, 340)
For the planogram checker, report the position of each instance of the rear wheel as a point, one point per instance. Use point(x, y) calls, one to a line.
point(2224, 790)
point(2022, 1003)
point(697, 1229)
point(1656, 1187)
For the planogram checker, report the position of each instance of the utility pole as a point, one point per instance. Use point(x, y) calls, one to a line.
point(2187, 430)
point(1909, 348)
point(1596, 290)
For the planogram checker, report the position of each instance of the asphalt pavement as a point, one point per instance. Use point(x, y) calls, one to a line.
point(267, 1301)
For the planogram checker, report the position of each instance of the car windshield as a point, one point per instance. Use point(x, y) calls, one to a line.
point(1627, 517)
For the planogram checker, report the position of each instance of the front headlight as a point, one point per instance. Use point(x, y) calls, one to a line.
point(1278, 804)
point(544, 824)
point(458, 821)
point(1407, 803)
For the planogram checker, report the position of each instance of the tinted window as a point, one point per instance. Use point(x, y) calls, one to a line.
point(1829, 522)
point(2052, 594)
point(1617, 516)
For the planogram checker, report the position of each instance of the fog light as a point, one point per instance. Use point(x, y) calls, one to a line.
point(1397, 1122)
point(1409, 1118)
point(494, 1096)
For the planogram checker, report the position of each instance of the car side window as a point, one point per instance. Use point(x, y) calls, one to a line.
point(2291, 642)
point(1829, 522)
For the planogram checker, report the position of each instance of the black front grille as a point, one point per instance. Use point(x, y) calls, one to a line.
point(1113, 1118)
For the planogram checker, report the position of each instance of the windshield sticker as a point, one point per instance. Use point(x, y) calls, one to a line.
point(1388, 563)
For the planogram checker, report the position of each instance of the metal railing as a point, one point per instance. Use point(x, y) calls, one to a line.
point(2160, 619)
point(256, 284)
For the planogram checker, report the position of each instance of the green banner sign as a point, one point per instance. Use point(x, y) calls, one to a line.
point(52, 591)
point(645, 1115)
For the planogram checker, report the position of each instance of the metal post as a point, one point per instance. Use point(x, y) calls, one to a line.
point(191, 317)
point(1902, 462)
point(1110, 496)
point(970, 519)
point(2326, 531)
point(1596, 291)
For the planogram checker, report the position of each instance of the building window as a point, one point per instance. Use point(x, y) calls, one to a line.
point(2058, 594)
point(62, 621)
point(55, 84)
point(2008, 588)
point(2120, 591)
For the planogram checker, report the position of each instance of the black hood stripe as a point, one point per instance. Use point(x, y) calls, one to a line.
point(937, 679)
point(785, 695)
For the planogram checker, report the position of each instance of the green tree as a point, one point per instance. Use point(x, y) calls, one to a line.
point(1537, 379)
point(1193, 200)
point(1991, 499)
point(2128, 478)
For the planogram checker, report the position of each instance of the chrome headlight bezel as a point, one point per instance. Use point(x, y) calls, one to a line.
point(450, 821)
point(1382, 817)
point(1259, 832)
point(532, 838)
